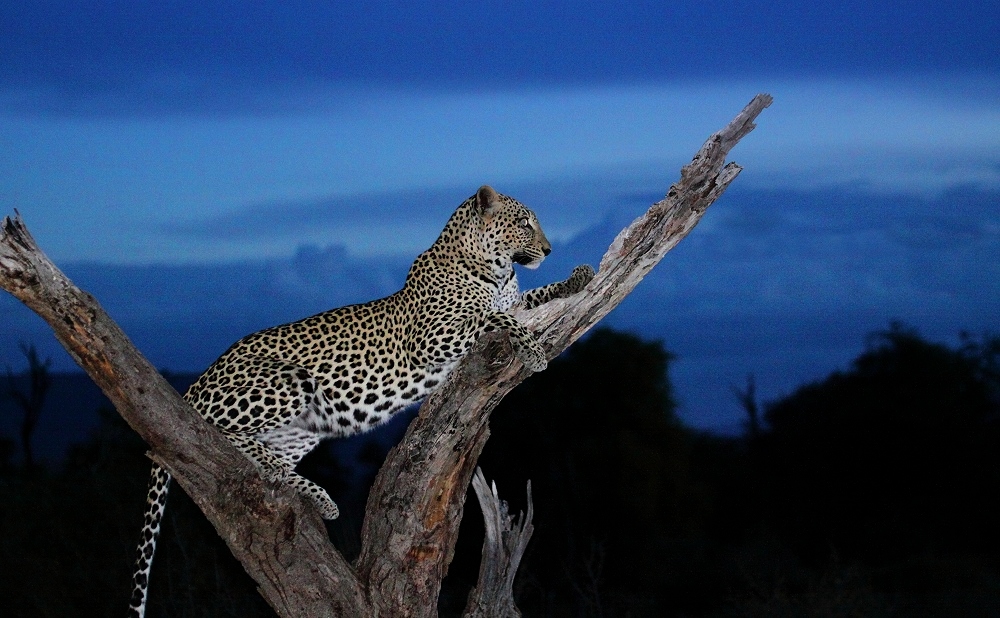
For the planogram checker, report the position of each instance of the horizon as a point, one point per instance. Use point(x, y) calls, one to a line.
point(216, 134)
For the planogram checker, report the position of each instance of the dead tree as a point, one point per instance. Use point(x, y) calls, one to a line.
point(414, 509)
point(748, 401)
point(32, 401)
point(504, 543)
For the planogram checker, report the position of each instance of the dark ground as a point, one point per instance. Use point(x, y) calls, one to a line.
point(869, 493)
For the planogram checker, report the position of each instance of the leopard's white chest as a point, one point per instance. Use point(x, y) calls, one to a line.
point(508, 294)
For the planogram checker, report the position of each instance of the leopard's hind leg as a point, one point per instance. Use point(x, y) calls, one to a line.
point(257, 412)
point(277, 463)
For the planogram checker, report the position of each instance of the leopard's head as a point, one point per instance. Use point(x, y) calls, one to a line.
point(509, 230)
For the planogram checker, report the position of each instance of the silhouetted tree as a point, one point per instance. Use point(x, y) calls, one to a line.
point(6, 452)
point(416, 504)
point(748, 401)
point(30, 402)
point(900, 455)
point(610, 466)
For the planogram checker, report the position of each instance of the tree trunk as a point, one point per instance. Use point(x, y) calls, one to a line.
point(415, 507)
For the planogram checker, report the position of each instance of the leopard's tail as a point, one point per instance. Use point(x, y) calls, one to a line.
point(156, 502)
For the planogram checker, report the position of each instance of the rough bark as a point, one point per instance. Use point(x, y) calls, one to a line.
point(504, 543)
point(414, 509)
point(415, 506)
point(283, 543)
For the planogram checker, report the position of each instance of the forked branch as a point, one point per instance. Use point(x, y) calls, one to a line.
point(504, 543)
point(416, 504)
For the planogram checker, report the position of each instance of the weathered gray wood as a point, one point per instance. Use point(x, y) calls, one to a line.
point(278, 538)
point(415, 505)
point(504, 543)
point(414, 509)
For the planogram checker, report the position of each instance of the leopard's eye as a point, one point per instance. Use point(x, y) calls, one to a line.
point(523, 222)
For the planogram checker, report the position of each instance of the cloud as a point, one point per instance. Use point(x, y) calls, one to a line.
point(296, 217)
point(835, 254)
point(395, 164)
point(388, 222)
point(784, 284)
point(406, 221)
point(227, 56)
point(920, 134)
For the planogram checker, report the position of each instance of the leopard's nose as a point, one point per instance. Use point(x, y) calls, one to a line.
point(546, 250)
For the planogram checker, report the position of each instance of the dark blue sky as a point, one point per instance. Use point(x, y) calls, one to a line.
point(190, 55)
point(175, 139)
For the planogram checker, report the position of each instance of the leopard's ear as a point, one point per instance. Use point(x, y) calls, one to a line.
point(487, 201)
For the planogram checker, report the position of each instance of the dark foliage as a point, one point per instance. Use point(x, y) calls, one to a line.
point(870, 493)
point(896, 457)
point(894, 465)
point(69, 540)
point(616, 503)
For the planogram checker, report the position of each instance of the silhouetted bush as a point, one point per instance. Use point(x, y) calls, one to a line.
point(896, 457)
point(616, 506)
point(894, 465)
point(869, 493)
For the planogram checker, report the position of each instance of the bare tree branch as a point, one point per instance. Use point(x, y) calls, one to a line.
point(503, 547)
point(416, 504)
point(277, 537)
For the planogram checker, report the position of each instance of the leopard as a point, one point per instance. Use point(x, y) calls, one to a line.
point(275, 394)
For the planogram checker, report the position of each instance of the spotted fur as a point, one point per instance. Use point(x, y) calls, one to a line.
point(276, 393)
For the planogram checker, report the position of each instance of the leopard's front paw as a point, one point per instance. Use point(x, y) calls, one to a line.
point(579, 279)
point(530, 353)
